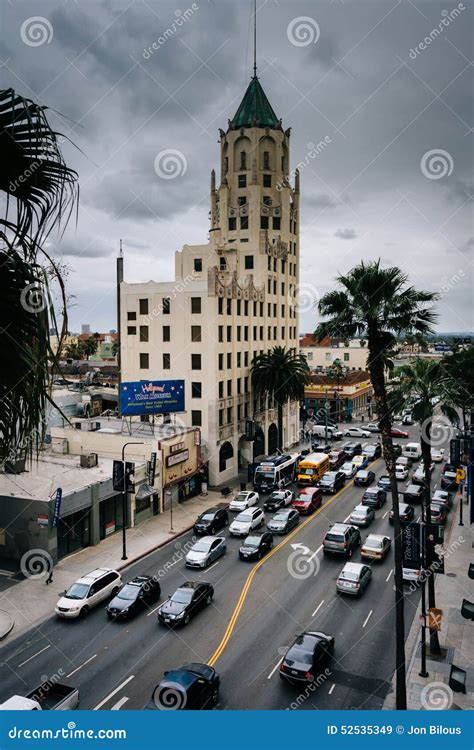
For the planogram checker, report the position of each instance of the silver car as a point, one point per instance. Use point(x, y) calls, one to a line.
point(362, 515)
point(205, 551)
point(353, 579)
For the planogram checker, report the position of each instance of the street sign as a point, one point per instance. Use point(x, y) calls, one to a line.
point(455, 451)
point(460, 476)
point(57, 506)
point(129, 477)
point(118, 476)
point(412, 546)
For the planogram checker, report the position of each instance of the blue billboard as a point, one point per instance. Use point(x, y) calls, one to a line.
point(151, 397)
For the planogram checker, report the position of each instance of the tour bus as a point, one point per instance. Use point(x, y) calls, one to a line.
point(275, 472)
point(312, 468)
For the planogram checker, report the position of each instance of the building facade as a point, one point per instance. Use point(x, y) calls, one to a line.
point(232, 298)
point(320, 356)
point(344, 399)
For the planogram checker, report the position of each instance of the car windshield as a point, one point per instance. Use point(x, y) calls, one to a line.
point(276, 496)
point(200, 547)
point(329, 477)
point(349, 575)
point(128, 592)
point(253, 541)
point(347, 467)
point(334, 537)
point(240, 497)
point(373, 543)
point(207, 517)
point(307, 472)
point(182, 596)
point(303, 498)
point(280, 517)
point(243, 518)
point(77, 591)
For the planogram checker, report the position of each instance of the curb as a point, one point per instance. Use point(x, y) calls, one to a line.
point(137, 558)
point(7, 632)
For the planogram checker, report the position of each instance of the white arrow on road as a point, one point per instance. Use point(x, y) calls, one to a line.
point(304, 550)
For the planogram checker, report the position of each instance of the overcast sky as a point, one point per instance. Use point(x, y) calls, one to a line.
point(394, 112)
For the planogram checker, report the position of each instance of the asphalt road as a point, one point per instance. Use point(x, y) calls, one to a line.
point(253, 618)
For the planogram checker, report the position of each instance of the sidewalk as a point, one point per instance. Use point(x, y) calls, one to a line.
point(27, 603)
point(456, 637)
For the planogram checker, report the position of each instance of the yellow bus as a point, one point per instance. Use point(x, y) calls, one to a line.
point(312, 468)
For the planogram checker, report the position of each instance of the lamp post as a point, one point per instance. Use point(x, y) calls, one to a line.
point(124, 502)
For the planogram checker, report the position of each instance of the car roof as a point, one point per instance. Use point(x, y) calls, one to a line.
point(246, 493)
point(95, 574)
point(190, 585)
point(377, 537)
point(139, 580)
point(213, 509)
point(339, 528)
point(208, 539)
point(361, 508)
point(362, 473)
point(351, 567)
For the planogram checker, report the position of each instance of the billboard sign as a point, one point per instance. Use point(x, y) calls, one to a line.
point(151, 397)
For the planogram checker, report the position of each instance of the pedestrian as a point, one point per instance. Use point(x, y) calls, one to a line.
point(50, 573)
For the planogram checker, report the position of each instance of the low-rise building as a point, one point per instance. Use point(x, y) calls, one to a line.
point(351, 354)
point(346, 398)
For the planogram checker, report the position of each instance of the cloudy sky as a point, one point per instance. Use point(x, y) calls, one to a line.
point(384, 84)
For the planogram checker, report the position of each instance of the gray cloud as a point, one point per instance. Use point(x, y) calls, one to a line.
point(345, 234)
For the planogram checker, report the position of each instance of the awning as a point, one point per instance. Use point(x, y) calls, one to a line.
point(145, 491)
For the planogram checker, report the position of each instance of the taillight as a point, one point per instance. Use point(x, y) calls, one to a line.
point(282, 667)
point(309, 676)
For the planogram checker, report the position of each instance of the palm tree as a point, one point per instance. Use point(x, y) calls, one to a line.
point(377, 304)
point(460, 370)
point(337, 370)
point(427, 380)
point(39, 191)
point(281, 374)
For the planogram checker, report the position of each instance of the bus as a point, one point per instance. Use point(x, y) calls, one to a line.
point(312, 468)
point(275, 472)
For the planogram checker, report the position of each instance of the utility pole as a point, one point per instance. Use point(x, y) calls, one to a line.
point(119, 333)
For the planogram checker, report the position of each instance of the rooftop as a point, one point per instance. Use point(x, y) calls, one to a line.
point(254, 110)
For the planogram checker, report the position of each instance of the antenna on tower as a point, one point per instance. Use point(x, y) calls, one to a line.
point(254, 38)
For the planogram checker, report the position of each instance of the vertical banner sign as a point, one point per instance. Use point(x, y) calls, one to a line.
point(129, 477)
point(152, 469)
point(411, 546)
point(118, 476)
point(455, 451)
point(57, 506)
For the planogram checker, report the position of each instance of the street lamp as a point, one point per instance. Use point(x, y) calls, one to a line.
point(124, 502)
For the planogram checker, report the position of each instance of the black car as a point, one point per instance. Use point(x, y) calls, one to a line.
point(278, 499)
point(352, 449)
point(448, 477)
point(374, 497)
point(192, 687)
point(256, 545)
point(413, 493)
point(186, 602)
point(372, 451)
point(364, 478)
point(321, 448)
point(397, 450)
point(332, 481)
point(384, 483)
point(212, 520)
point(307, 658)
point(406, 512)
point(136, 595)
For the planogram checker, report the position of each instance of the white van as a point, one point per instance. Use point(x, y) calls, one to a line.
point(319, 430)
point(88, 591)
point(412, 450)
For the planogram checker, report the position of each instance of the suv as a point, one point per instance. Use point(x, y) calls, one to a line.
point(332, 481)
point(413, 493)
point(336, 459)
point(212, 520)
point(136, 595)
point(341, 539)
point(448, 477)
point(352, 449)
point(194, 686)
point(87, 592)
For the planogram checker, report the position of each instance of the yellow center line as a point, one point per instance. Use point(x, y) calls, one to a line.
point(243, 595)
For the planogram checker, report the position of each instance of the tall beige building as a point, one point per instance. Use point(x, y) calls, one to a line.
point(232, 298)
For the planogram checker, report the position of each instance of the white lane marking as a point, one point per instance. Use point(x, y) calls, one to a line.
point(367, 618)
point(332, 688)
point(385, 514)
point(212, 566)
point(389, 576)
point(33, 657)
point(153, 610)
point(318, 608)
point(346, 519)
point(275, 668)
point(80, 666)
point(315, 553)
point(117, 706)
point(114, 692)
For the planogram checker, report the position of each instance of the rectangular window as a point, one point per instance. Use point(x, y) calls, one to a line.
point(196, 305)
point(242, 200)
point(346, 356)
point(267, 180)
point(239, 333)
point(249, 262)
point(264, 222)
point(166, 361)
point(229, 333)
point(239, 412)
point(144, 361)
point(244, 222)
point(195, 361)
point(196, 334)
point(144, 333)
point(232, 224)
point(131, 316)
point(166, 305)
point(221, 389)
point(131, 330)
point(242, 180)
point(221, 361)
point(269, 335)
point(229, 387)
point(267, 201)
point(269, 286)
point(166, 333)
point(239, 307)
point(274, 332)
point(221, 417)
point(196, 418)
point(196, 390)
point(276, 222)
point(229, 307)
point(246, 359)
point(283, 332)
point(246, 308)
point(255, 333)
point(229, 360)
point(255, 309)
point(266, 159)
point(239, 385)
point(198, 265)
point(246, 333)
point(243, 160)
point(246, 385)
point(239, 359)
point(261, 333)
point(229, 414)
point(143, 306)
point(221, 334)
point(220, 306)
point(274, 286)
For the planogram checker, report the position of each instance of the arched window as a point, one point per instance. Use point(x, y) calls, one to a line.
point(226, 452)
point(222, 263)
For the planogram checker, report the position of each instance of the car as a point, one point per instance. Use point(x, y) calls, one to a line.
point(353, 579)
point(348, 469)
point(438, 513)
point(308, 500)
point(336, 458)
point(442, 497)
point(373, 427)
point(206, 551)
point(405, 461)
point(372, 450)
point(405, 511)
point(362, 515)
point(136, 595)
point(321, 448)
point(364, 478)
point(407, 419)
point(278, 499)
point(191, 687)
point(448, 477)
point(401, 472)
point(256, 545)
point(211, 520)
point(247, 521)
point(188, 599)
point(418, 476)
point(356, 432)
point(352, 449)
point(437, 455)
point(384, 483)
point(375, 547)
point(374, 497)
point(411, 575)
point(360, 461)
point(413, 493)
point(332, 481)
point(341, 539)
point(283, 521)
point(397, 450)
point(396, 432)
point(307, 658)
point(244, 500)
point(87, 592)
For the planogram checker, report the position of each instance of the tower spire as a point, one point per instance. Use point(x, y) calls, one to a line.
point(254, 38)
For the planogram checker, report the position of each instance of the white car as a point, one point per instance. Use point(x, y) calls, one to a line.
point(411, 576)
point(401, 472)
point(437, 455)
point(348, 469)
point(356, 432)
point(252, 518)
point(244, 500)
point(373, 427)
point(87, 592)
point(362, 516)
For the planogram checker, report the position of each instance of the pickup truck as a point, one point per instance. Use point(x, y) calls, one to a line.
point(46, 697)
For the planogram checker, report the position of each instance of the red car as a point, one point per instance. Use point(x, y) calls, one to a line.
point(395, 432)
point(308, 500)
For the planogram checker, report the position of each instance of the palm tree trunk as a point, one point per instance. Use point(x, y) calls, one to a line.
point(429, 550)
point(280, 425)
point(377, 375)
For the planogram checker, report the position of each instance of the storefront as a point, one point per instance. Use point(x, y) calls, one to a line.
point(110, 516)
point(73, 532)
point(349, 400)
point(180, 457)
